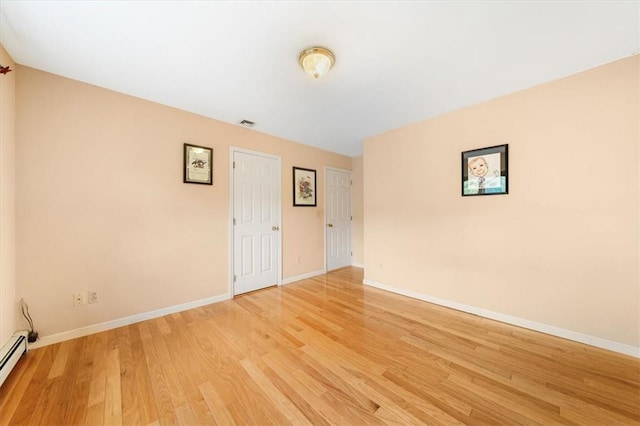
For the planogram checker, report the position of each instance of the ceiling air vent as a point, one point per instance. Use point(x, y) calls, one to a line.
point(247, 123)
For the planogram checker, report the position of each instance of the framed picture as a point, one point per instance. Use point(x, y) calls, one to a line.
point(304, 187)
point(485, 171)
point(198, 164)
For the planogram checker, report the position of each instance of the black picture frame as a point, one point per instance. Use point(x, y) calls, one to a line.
point(304, 187)
point(485, 171)
point(197, 164)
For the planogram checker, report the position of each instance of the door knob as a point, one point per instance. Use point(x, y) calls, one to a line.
point(330, 225)
point(275, 228)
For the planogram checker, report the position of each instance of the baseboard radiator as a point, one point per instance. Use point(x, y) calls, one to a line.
point(11, 353)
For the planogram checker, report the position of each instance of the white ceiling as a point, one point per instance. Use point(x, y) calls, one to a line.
point(396, 62)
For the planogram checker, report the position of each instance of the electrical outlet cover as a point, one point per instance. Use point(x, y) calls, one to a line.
point(79, 298)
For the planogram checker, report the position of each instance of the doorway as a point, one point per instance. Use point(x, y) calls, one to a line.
point(255, 228)
point(338, 218)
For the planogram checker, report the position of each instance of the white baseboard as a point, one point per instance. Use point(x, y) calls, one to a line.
point(358, 265)
point(303, 276)
point(520, 322)
point(109, 325)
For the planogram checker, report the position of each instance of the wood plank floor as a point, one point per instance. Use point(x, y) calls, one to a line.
point(325, 350)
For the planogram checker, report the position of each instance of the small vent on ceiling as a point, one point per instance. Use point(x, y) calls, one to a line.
point(247, 123)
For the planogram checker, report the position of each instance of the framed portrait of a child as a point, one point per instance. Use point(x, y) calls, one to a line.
point(485, 171)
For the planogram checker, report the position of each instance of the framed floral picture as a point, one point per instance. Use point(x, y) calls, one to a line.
point(304, 187)
point(198, 164)
point(485, 171)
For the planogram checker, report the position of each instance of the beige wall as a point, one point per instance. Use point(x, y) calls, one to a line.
point(357, 203)
point(8, 304)
point(561, 248)
point(101, 204)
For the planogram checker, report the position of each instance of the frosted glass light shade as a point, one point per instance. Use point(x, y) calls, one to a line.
point(317, 61)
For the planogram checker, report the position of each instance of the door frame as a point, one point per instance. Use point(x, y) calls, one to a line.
point(324, 219)
point(232, 151)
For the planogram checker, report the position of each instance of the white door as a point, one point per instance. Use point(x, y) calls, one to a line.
point(338, 219)
point(256, 218)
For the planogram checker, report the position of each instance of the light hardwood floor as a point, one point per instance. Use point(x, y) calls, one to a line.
point(325, 350)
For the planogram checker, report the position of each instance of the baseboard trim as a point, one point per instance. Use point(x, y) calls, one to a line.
point(520, 322)
point(303, 276)
point(358, 265)
point(121, 322)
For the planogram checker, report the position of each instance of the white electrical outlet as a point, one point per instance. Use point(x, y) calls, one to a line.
point(79, 298)
point(93, 296)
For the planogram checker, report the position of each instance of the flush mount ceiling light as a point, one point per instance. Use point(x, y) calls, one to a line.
point(316, 61)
